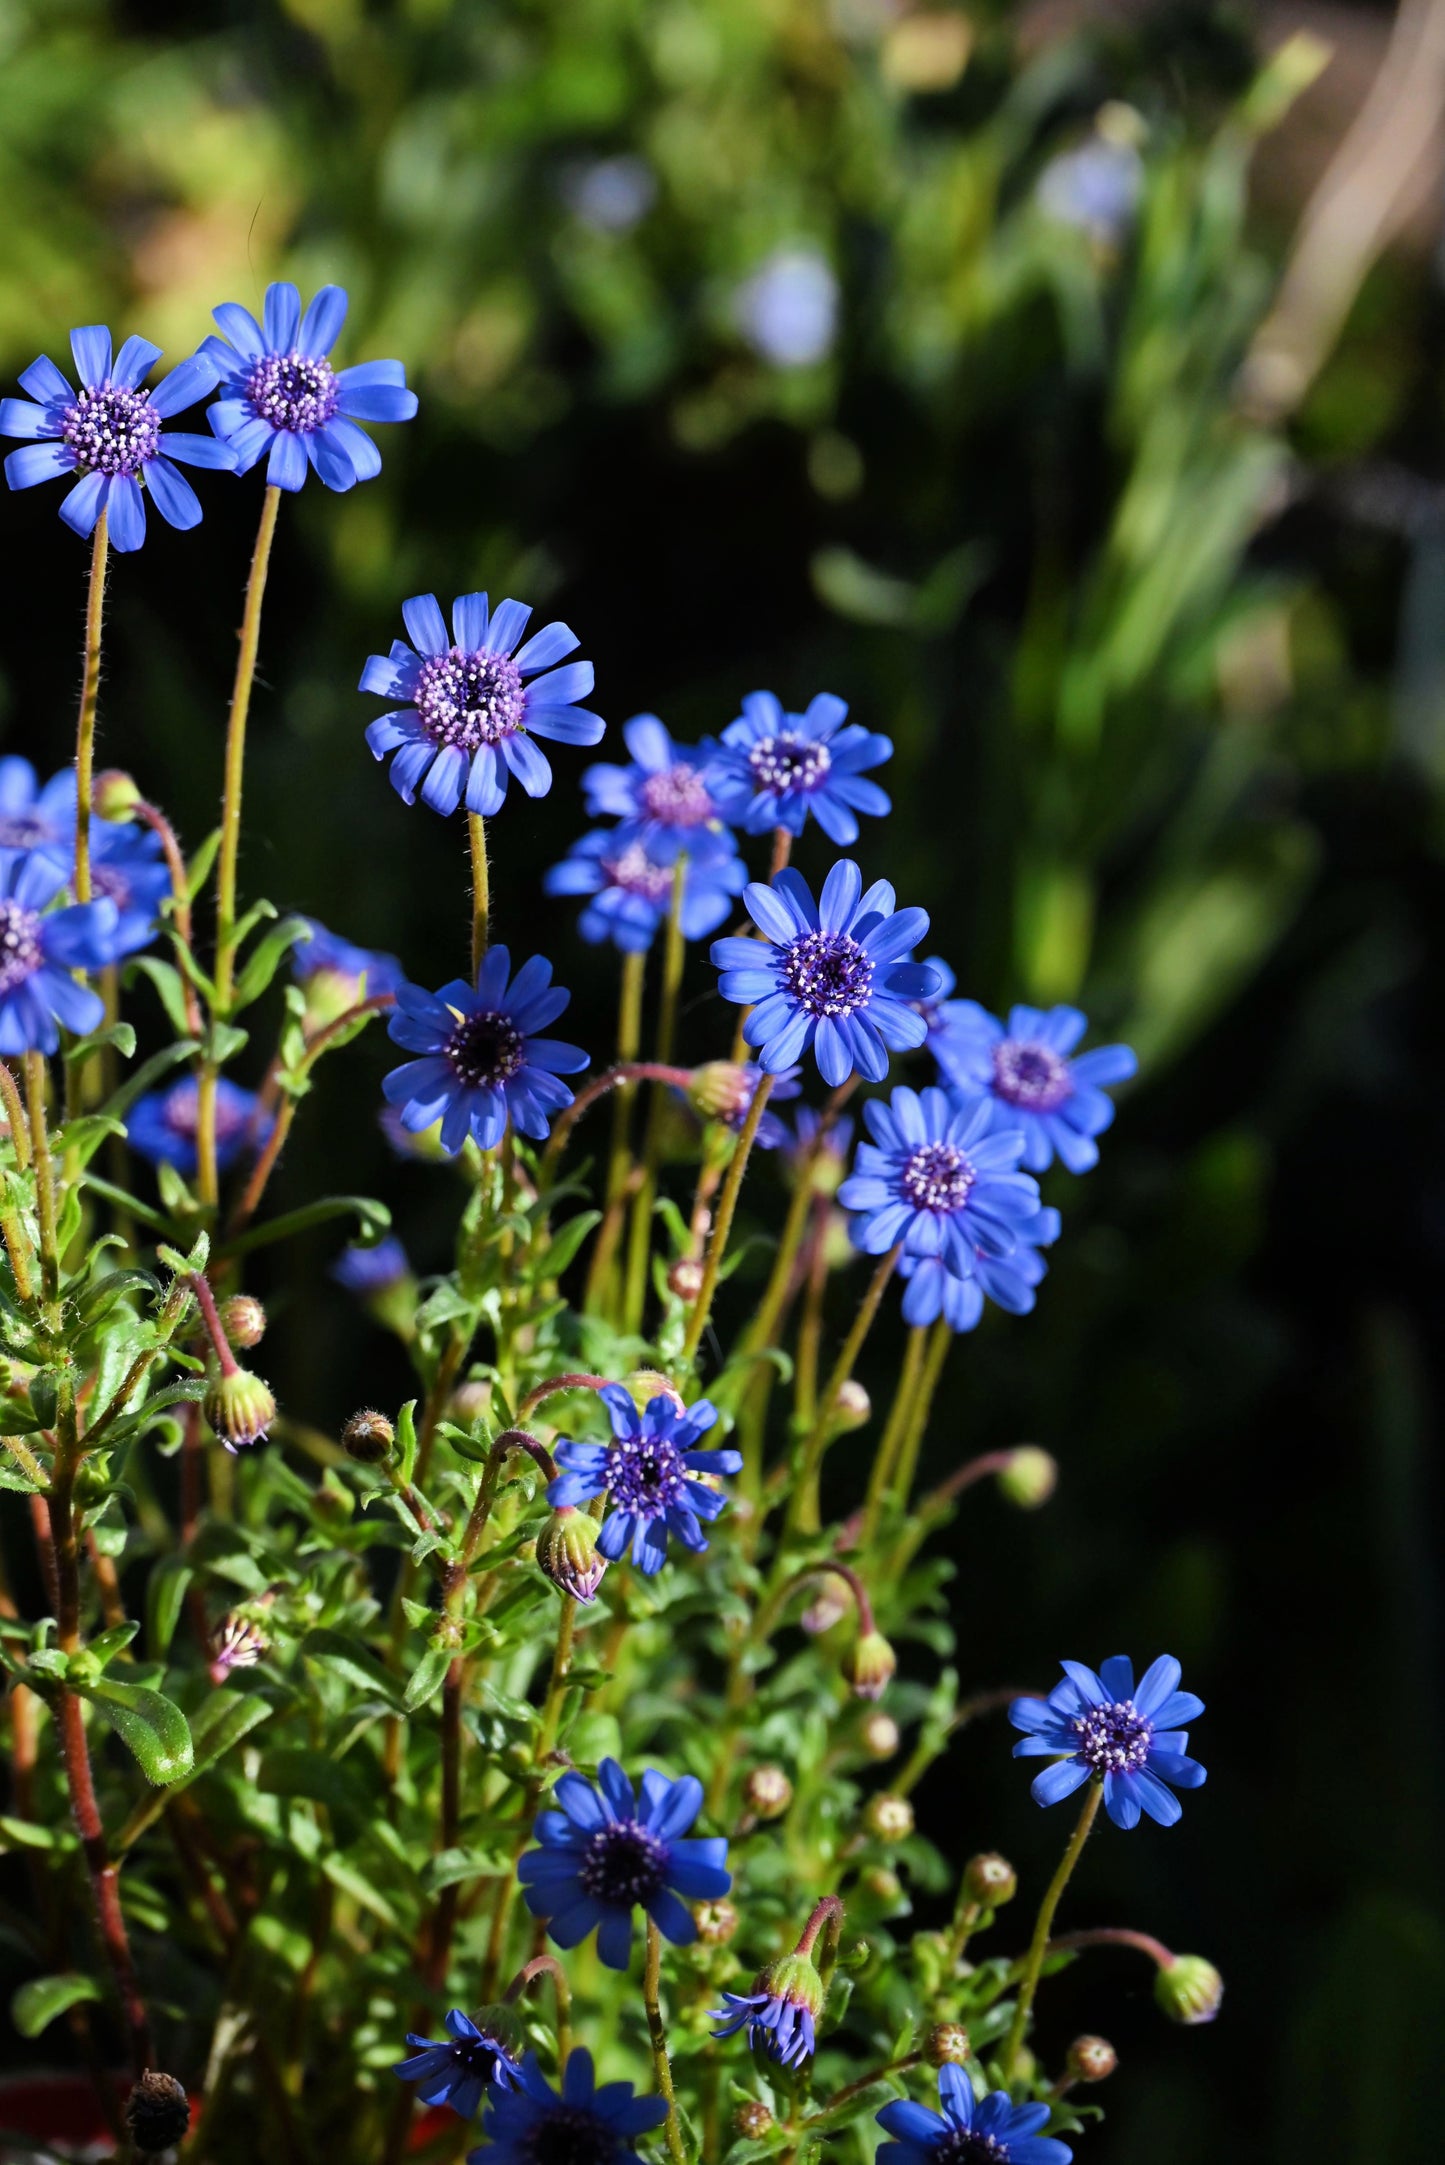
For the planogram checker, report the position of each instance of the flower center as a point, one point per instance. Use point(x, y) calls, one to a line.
point(623, 1864)
point(485, 1050)
point(635, 872)
point(828, 973)
point(1031, 1075)
point(678, 797)
point(110, 880)
point(568, 2135)
point(788, 761)
point(967, 2146)
point(20, 951)
point(645, 1474)
point(476, 2056)
point(1113, 1739)
point(293, 391)
point(937, 1177)
point(26, 830)
point(111, 431)
point(470, 699)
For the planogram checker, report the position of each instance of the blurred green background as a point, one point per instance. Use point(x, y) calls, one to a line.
point(902, 352)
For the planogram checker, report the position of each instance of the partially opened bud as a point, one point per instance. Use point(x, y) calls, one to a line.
point(1188, 1989)
point(1091, 2059)
point(889, 1818)
point(368, 1437)
point(239, 1408)
point(1030, 1477)
point(235, 1644)
point(567, 1553)
point(946, 2045)
point(869, 1664)
point(880, 1735)
point(645, 1384)
point(722, 1090)
point(157, 2112)
point(716, 1922)
point(852, 1408)
point(767, 1792)
point(114, 795)
point(243, 1320)
point(829, 1605)
point(990, 1879)
point(684, 1282)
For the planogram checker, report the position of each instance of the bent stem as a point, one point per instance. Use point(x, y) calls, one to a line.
point(657, 2035)
point(481, 889)
point(89, 699)
point(546, 1966)
point(723, 1224)
point(1039, 1945)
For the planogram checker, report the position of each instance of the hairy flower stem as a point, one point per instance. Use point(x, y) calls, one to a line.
point(89, 699)
point(1039, 1945)
point(934, 1742)
point(640, 1236)
point(657, 2034)
point(939, 1347)
point(804, 1494)
point(231, 833)
point(546, 1966)
point(612, 1078)
point(215, 1329)
point(898, 1414)
point(481, 889)
point(12, 1225)
point(619, 1163)
point(723, 1223)
point(542, 1751)
point(44, 1182)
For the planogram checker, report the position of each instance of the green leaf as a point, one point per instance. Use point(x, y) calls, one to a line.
point(150, 1725)
point(170, 985)
point(119, 1034)
point(80, 1139)
point(406, 1439)
point(266, 958)
point(292, 1772)
point(198, 871)
point(106, 1645)
point(426, 1677)
point(564, 1244)
point(226, 1717)
point(222, 1042)
point(150, 1071)
point(374, 1217)
point(36, 2005)
point(165, 1598)
point(349, 1658)
point(862, 2105)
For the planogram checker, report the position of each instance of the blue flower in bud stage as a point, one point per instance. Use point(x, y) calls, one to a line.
point(39, 947)
point(819, 1149)
point(662, 798)
point(107, 435)
point(128, 864)
point(992, 2130)
point(532, 2125)
point(36, 817)
point(280, 394)
point(781, 2012)
point(1009, 1281)
point(835, 975)
point(473, 705)
point(161, 1126)
point(648, 1471)
point(939, 1179)
point(604, 1855)
point(368, 1270)
point(1026, 1068)
point(482, 1063)
point(631, 890)
point(772, 769)
point(1107, 1730)
point(459, 2072)
point(327, 954)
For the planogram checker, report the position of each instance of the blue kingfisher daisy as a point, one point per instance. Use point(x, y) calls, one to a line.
point(1102, 1727)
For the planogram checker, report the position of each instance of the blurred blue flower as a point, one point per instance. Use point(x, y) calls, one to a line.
point(662, 797)
point(469, 701)
point(940, 1178)
point(280, 393)
point(771, 769)
point(1095, 188)
point(1100, 1727)
point(610, 194)
point(630, 890)
point(788, 309)
point(326, 953)
point(32, 817)
point(459, 2072)
point(1026, 1068)
point(370, 1269)
point(835, 974)
point(161, 1126)
point(992, 2130)
point(108, 435)
point(933, 1290)
point(482, 1063)
point(648, 1472)
point(532, 2125)
point(772, 1133)
point(128, 864)
point(39, 947)
point(814, 1147)
point(604, 1855)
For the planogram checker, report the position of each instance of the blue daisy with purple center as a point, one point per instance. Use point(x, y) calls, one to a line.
point(1102, 1727)
point(39, 949)
point(1009, 1281)
point(529, 2123)
point(161, 1126)
point(938, 1179)
point(772, 768)
point(629, 889)
point(649, 1471)
point(1029, 1069)
point(969, 2130)
point(661, 798)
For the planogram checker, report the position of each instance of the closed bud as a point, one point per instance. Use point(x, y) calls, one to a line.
point(157, 2112)
point(368, 1437)
point(716, 1922)
point(752, 2120)
point(838, 1248)
point(645, 1384)
point(880, 1735)
point(1030, 1477)
point(946, 2045)
point(882, 1885)
point(794, 1979)
point(990, 1879)
point(721, 1090)
point(243, 1320)
point(1189, 1989)
point(1091, 2059)
point(567, 1553)
point(239, 1408)
point(852, 1408)
point(889, 1818)
point(828, 1606)
point(869, 1664)
point(114, 795)
point(501, 2026)
point(470, 1402)
point(236, 1644)
point(684, 1283)
point(768, 1792)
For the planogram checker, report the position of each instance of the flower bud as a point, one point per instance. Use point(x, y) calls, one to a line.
point(1091, 2059)
point(869, 1664)
point(752, 2120)
point(838, 1248)
point(368, 1437)
point(239, 1408)
point(157, 2112)
point(794, 1979)
point(829, 1605)
point(1189, 1989)
point(882, 1885)
point(567, 1553)
point(721, 1090)
point(946, 2045)
point(501, 2026)
point(768, 1792)
point(852, 1408)
point(470, 1402)
point(236, 1643)
point(990, 1880)
point(880, 1735)
point(684, 1282)
point(645, 1384)
point(1030, 1477)
point(716, 1922)
point(889, 1818)
point(114, 795)
point(243, 1320)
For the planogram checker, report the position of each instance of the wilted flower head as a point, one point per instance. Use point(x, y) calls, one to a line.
point(781, 2012)
point(480, 2052)
point(157, 2112)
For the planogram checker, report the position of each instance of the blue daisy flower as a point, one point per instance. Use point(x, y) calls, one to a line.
point(161, 1126)
point(822, 1152)
point(36, 817)
point(325, 953)
point(604, 1854)
point(460, 2071)
point(281, 396)
point(991, 2130)
point(128, 864)
point(474, 707)
point(482, 1063)
point(771, 769)
point(531, 2124)
point(662, 798)
point(1026, 1068)
point(781, 2012)
point(933, 1290)
point(107, 436)
point(39, 948)
point(939, 1178)
point(1102, 1728)
point(631, 890)
point(367, 1269)
point(648, 1471)
point(836, 974)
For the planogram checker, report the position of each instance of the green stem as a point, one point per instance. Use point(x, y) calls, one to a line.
point(44, 1177)
point(481, 889)
point(893, 1431)
point(723, 1223)
point(89, 698)
point(640, 1236)
point(1038, 1946)
point(629, 1038)
point(657, 2034)
point(820, 1436)
point(939, 1348)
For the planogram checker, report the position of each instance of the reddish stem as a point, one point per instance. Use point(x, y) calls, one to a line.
point(1143, 1943)
point(541, 1392)
point(104, 1878)
point(830, 1907)
point(215, 1331)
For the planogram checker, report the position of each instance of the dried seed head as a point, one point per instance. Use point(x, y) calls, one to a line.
point(157, 2112)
